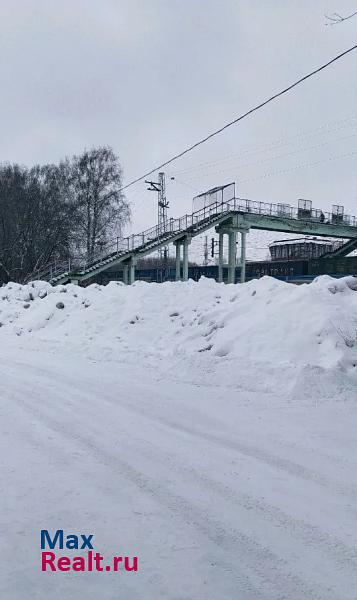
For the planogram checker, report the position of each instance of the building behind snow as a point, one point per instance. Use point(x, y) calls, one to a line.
point(299, 248)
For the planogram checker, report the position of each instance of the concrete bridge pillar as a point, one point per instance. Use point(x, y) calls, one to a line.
point(231, 229)
point(178, 261)
point(185, 260)
point(220, 257)
point(242, 255)
point(232, 256)
point(126, 274)
point(184, 242)
point(132, 264)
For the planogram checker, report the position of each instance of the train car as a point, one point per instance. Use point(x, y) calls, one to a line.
point(336, 266)
point(296, 271)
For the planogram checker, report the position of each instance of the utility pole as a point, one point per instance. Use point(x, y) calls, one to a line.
point(162, 211)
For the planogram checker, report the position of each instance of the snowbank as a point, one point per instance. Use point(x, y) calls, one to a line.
point(263, 334)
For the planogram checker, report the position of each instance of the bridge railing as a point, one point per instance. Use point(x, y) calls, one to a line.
point(291, 212)
point(50, 271)
point(159, 234)
point(244, 205)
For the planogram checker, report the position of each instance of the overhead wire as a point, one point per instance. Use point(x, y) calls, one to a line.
point(241, 117)
point(285, 141)
point(301, 166)
point(275, 157)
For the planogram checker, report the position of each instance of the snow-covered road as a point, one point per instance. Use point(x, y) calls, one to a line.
point(222, 493)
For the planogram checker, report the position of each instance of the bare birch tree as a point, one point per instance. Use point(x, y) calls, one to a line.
point(95, 179)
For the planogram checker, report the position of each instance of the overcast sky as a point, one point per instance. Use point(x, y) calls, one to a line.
point(150, 77)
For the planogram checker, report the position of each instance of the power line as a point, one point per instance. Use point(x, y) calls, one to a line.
point(238, 166)
point(300, 166)
point(281, 142)
point(241, 117)
point(184, 183)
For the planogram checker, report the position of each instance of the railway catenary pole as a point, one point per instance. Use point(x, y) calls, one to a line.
point(163, 205)
point(162, 211)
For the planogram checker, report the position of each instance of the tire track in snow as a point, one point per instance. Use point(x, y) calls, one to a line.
point(274, 461)
point(275, 578)
point(309, 534)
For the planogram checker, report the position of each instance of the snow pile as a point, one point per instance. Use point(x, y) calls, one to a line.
point(263, 334)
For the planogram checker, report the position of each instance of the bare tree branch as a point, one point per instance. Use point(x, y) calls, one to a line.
point(336, 18)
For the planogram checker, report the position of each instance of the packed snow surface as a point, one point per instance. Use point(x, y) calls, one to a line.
point(208, 429)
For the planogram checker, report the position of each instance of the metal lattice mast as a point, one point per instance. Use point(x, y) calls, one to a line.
point(162, 209)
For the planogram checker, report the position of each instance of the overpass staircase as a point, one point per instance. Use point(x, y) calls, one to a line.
point(123, 249)
point(341, 249)
point(215, 208)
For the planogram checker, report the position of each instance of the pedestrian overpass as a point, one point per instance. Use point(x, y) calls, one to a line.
point(217, 208)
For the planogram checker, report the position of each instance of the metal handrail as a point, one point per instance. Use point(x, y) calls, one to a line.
point(244, 205)
point(159, 233)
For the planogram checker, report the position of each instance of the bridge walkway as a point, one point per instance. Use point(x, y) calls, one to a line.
point(232, 216)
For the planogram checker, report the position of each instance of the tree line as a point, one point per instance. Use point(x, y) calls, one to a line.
point(53, 213)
